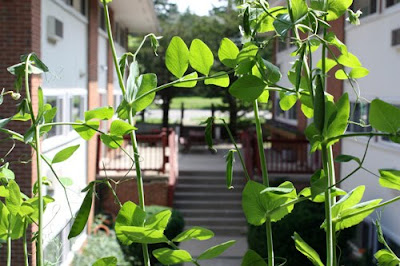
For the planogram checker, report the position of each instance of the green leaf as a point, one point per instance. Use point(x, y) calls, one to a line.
point(82, 215)
point(144, 83)
point(247, 88)
point(107, 261)
point(389, 178)
point(6, 173)
point(158, 221)
point(258, 202)
point(208, 134)
point(248, 53)
point(215, 251)
point(112, 141)
point(228, 53)
point(333, 40)
point(349, 60)
point(13, 201)
point(155, 43)
point(354, 18)
point(200, 57)
point(273, 72)
point(307, 106)
point(121, 128)
point(299, 9)
point(64, 154)
point(287, 100)
point(308, 251)
point(129, 215)
point(87, 130)
point(319, 183)
point(4, 192)
point(251, 258)
point(283, 24)
point(101, 113)
point(144, 235)
point(177, 57)
point(222, 80)
point(358, 72)
point(386, 258)
point(346, 218)
point(329, 64)
point(264, 97)
point(384, 116)
point(340, 74)
point(266, 23)
point(344, 158)
point(319, 105)
point(339, 124)
point(4, 122)
point(66, 181)
point(230, 159)
point(196, 232)
point(171, 257)
point(335, 8)
point(34, 203)
point(123, 61)
point(188, 84)
point(131, 84)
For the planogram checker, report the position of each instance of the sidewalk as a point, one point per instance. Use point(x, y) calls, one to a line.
point(199, 163)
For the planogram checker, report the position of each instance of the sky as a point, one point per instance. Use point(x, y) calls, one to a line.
point(199, 7)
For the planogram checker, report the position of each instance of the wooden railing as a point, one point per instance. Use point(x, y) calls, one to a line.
point(154, 148)
point(283, 156)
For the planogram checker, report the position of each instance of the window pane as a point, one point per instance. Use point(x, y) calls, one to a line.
point(55, 101)
point(76, 108)
point(360, 116)
point(367, 7)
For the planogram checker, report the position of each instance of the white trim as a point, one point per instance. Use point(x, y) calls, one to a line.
point(292, 122)
point(102, 33)
point(71, 10)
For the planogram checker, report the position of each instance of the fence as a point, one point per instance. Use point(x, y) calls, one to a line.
point(283, 156)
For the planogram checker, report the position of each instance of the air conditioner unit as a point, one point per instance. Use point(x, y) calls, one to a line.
point(55, 29)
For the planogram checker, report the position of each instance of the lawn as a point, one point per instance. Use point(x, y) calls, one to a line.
point(195, 102)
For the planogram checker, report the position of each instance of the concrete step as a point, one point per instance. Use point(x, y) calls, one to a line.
point(214, 221)
point(207, 204)
point(212, 188)
point(226, 213)
point(208, 196)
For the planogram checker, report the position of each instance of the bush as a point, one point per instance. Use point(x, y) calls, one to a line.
point(99, 246)
point(133, 253)
point(305, 219)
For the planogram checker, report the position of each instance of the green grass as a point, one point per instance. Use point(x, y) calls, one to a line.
point(195, 102)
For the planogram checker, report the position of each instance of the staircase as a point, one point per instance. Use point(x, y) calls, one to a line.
point(204, 200)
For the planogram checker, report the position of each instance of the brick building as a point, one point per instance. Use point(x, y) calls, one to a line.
point(70, 38)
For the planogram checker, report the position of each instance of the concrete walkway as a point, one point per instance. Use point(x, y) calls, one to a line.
point(202, 182)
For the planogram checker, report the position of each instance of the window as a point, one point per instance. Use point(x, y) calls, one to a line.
point(102, 20)
point(367, 7)
point(120, 35)
point(84, 7)
point(360, 116)
point(77, 107)
point(55, 101)
point(390, 3)
point(396, 37)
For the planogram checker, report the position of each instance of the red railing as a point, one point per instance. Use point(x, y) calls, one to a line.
point(283, 156)
point(153, 148)
point(158, 153)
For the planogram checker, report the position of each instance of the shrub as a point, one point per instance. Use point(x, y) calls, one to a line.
point(134, 254)
point(305, 219)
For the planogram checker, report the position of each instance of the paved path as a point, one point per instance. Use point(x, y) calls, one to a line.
point(201, 195)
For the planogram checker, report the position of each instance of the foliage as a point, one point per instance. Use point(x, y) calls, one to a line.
point(98, 246)
point(305, 219)
point(133, 252)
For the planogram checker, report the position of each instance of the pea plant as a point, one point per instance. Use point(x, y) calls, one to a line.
point(308, 23)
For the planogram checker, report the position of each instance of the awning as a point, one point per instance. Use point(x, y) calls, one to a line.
point(137, 15)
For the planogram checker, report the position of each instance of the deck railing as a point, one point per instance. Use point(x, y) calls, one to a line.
point(155, 152)
point(283, 156)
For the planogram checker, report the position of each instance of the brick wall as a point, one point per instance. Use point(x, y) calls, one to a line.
point(19, 34)
point(156, 194)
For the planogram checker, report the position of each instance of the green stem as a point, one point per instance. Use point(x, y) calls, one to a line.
point(9, 241)
point(328, 211)
point(246, 173)
point(28, 94)
point(172, 83)
point(331, 182)
point(264, 171)
point(114, 194)
point(352, 135)
point(139, 180)
point(112, 46)
point(25, 243)
point(40, 259)
point(260, 143)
